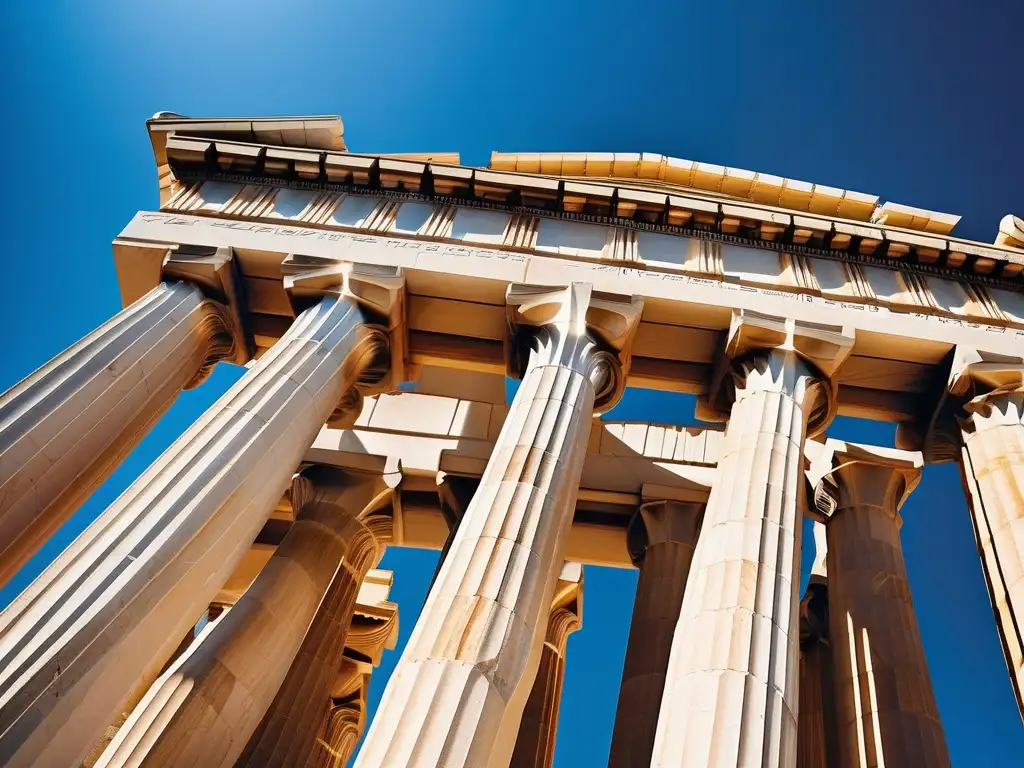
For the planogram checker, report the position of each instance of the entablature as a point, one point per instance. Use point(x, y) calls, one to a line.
point(609, 201)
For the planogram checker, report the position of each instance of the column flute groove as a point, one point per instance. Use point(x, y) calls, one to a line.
point(731, 688)
point(458, 693)
point(108, 612)
point(204, 708)
point(662, 537)
point(67, 426)
point(885, 706)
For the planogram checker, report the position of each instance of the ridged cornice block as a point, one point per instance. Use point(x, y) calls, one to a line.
point(107, 613)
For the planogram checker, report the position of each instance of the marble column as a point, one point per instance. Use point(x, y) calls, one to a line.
point(67, 426)
point(206, 706)
point(991, 426)
point(374, 627)
point(885, 706)
point(535, 744)
point(286, 734)
point(458, 693)
point(345, 719)
point(816, 723)
point(662, 537)
point(731, 687)
point(103, 618)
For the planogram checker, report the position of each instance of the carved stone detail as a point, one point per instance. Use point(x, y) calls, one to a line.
point(731, 688)
point(535, 745)
point(65, 428)
point(135, 580)
point(885, 705)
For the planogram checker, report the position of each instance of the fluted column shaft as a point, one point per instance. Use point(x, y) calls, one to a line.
point(66, 427)
point(993, 474)
point(886, 710)
point(204, 708)
point(343, 724)
point(458, 693)
point(107, 613)
point(730, 693)
point(535, 743)
point(667, 533)
point(287, 733)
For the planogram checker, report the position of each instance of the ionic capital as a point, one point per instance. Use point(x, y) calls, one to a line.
point(779, 354)
point(851, 476)
point(979, 389)
point(661, 522)
point(566, 606)
point(379, 291)
point(374, 626)
point(215, 272)
point(585, 330)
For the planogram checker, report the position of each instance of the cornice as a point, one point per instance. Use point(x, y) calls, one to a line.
point(633, 207)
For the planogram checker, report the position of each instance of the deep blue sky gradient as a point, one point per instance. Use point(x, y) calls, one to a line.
point(920, 103)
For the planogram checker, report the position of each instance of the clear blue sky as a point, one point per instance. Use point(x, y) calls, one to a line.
point(919, 103)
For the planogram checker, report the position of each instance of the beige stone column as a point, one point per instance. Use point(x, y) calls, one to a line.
point(374, 627)
point(67, 426)
point(991, 426)
point(458, 693)
point(535, 744)
point(286, 734)
point(662, 537)
point(817, 730)
point(886, 709)
point(107, 613)
point(731, 688)
point(206, 706)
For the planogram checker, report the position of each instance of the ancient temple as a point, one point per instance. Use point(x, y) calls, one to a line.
point(227, 609)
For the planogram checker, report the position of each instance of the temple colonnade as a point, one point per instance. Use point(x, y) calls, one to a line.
point(725, 665)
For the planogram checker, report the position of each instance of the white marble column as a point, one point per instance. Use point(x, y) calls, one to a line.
point(535, 743)
point(885, 707)
point(662, 538)
point(203, 709)
point(65, 427)
point(731, 688)
point(992, 467)
point(108, 612)
point(458, 693)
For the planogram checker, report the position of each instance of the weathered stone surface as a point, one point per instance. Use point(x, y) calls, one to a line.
point(66, 427)
point(992, 468)
point(731, 688)
point(535, 744)
point(458, 693)
point(107, 613)
point(886, 711)
point(663, 535)
point(204, 708)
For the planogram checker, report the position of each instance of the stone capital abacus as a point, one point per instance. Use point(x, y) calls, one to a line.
point(779, 354)
point(575, 327)
point(664, 521)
